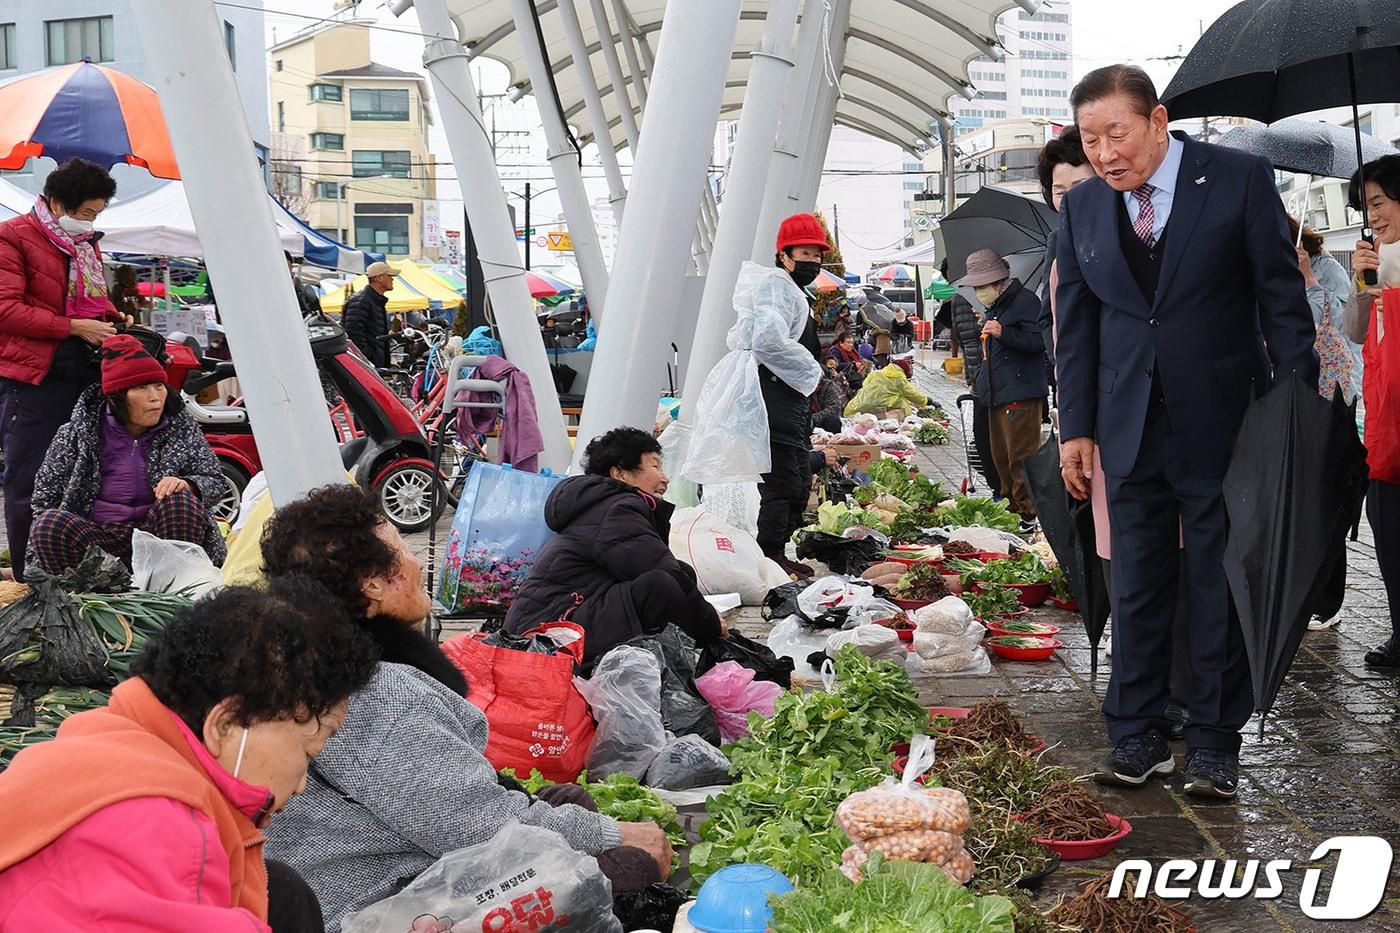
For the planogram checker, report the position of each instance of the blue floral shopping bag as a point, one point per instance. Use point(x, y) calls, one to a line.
point(497, 531)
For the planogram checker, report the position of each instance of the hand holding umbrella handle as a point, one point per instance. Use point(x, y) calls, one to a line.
point(1369, 276)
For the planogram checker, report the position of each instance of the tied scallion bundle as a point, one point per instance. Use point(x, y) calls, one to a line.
point(126, 621)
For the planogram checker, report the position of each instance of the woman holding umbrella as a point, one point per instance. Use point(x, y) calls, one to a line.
point(54, 313)
point(1382, 207)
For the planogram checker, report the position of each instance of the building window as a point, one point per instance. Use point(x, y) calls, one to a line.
point(281, 117)
point(230, 44)
point(327, 190)
point(328, 141)
point(991, 95)
point(72, 40)
point(330, 233)
point(1045, 17)
point(292, 176)
point(378, 105)
point(385, 234)
point(8, 59)
point(277, 65)
point(396, 162)
point(329, 92)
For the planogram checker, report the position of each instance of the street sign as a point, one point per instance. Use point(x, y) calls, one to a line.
point(432, 226)
point(521, 233)
point(560, 241)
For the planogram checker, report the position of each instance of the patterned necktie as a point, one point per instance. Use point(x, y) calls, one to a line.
point(1146, 218)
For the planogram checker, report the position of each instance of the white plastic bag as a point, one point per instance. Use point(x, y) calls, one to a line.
point(625, 694)
point(826, 593)
point(159, 566)
point(791, 639)
point(524, 878)
point(986, 539)
point(874, 641)
point(948, 616)
point(870, 612)
point(933, 645)
point(734, 504)
point(675, 444)
point(725, 558)
point(730, 436)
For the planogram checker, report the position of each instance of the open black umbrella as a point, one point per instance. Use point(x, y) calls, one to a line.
point(1006, 221)
point(1296, 474)
point(1308, 147)
point(1068, 525)
point(1268, 59)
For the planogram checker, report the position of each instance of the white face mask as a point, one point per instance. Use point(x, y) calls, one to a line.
point(988, 294)
point(242, 746)
point(73, 226)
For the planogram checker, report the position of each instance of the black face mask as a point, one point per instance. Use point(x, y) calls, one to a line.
point(804, 272)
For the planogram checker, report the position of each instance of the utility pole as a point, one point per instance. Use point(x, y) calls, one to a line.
point(528, 232)
point(836, 227)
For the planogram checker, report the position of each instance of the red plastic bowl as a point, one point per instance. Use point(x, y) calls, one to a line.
point(1026, 654)
point(909, 605)
point(906, 635)
point(987, 557)
point(1068, 605)
point(911, 561)
point(952, 712)
point(1090, 848)
point(996, 629)
point(1032, 594)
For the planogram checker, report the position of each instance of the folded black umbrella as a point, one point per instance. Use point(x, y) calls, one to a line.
point(1297, 471)
point(1068, 525)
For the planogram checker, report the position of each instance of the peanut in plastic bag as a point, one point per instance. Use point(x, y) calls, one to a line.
point(904, 806)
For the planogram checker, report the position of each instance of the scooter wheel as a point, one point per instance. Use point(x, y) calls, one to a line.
point(404, 491)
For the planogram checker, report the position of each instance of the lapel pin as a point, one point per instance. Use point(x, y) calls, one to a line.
point(1201, 180)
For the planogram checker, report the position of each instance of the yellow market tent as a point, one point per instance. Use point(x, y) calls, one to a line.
point(415, 289)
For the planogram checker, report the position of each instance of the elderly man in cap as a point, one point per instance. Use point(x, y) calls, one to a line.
point(1011, 382)
point(366, 317)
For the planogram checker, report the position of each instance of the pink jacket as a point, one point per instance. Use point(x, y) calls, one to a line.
point(144, 865)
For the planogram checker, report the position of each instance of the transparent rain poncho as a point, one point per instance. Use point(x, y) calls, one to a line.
point(730, 440)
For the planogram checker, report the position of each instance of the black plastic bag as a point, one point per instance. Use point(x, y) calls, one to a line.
point(757, 658)
point(653, 908)
point(69, 650)
point(781, 602)
point(683, 709)
point(842, 555)
point(534, 644)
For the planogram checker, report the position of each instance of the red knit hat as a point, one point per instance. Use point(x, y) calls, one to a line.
point(802, 230)
point(126, 365)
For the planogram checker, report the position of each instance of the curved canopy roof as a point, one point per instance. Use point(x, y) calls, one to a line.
point(905, 59)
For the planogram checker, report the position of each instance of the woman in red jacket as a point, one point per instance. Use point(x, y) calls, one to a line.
point(54, 311)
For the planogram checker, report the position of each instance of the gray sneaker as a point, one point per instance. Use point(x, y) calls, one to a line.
point(1135, 759)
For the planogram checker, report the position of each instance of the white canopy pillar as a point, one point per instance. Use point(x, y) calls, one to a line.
point(485, 202)
point(697, 40)
point(619, 84)
point(809, 175)
point(185, 47)
point(629, 49)
point(796, 102)
point(743, 197)
point(563, 162)
point(593, 103)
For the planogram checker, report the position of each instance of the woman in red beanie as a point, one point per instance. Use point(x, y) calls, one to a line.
point(129, 458)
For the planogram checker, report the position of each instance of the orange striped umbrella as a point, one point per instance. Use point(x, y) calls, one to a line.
point(84, 110)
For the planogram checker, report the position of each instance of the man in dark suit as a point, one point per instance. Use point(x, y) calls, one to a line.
point(1179, 299)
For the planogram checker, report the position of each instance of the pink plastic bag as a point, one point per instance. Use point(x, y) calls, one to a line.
point(732, 692)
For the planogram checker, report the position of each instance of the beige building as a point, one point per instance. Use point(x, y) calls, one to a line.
point(350, 141)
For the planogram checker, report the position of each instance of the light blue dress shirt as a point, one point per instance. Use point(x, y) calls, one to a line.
point(1164, 180)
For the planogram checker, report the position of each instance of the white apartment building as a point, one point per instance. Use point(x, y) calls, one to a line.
point(1033, 80)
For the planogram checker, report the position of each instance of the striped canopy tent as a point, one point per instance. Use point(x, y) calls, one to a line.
point(415, 289)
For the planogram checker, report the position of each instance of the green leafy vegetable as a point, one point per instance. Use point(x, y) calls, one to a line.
point(834, 518)
point(931, 434)
point(1028, 568)
point(1024, 627)
point(1017, 641)
point(621, 797)
point(913, 489)
point(991, 601)
point(967, 511)
point(893, 897)
point(1059, 583)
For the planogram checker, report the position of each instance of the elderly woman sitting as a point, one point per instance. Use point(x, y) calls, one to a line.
point(147, 814)
point(129, 458)
point(609, 564)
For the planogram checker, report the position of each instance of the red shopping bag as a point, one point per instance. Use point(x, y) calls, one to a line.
point(538, 718)
point(1381, 388)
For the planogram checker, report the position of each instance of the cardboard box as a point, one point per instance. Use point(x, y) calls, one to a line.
point(857, 456)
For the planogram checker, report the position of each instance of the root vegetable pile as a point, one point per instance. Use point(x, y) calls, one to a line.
point(1068, 812)
point(1093, 910)
point(992, 722)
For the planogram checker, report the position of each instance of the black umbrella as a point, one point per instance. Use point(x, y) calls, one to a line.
point(1308, 147)
point(1296, 474)
point(1269, 59)
point(1068, 525)
point(1006, 221)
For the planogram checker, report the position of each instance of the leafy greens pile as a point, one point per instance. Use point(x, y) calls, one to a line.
point(1028, 568)
point(970, 510)
point(894, 897)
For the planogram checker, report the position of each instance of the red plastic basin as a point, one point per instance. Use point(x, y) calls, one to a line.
point(1042, 653)
point(1090, 848)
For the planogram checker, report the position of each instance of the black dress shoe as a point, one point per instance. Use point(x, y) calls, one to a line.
point(1386, 655)
point(1178, 717)
point(1211, 773)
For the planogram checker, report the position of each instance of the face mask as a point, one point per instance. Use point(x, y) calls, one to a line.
point(804, 272)
point(242, 746)
point(73, 226)
point(988, 295)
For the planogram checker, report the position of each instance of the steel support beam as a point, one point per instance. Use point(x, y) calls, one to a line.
point(228, 200)
point(563, 163)
point(619, 83)
point(485, 203)
point(686, 90)
point(743, 196)
point(809, 175)
point(597, 116)
point(629, 50)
